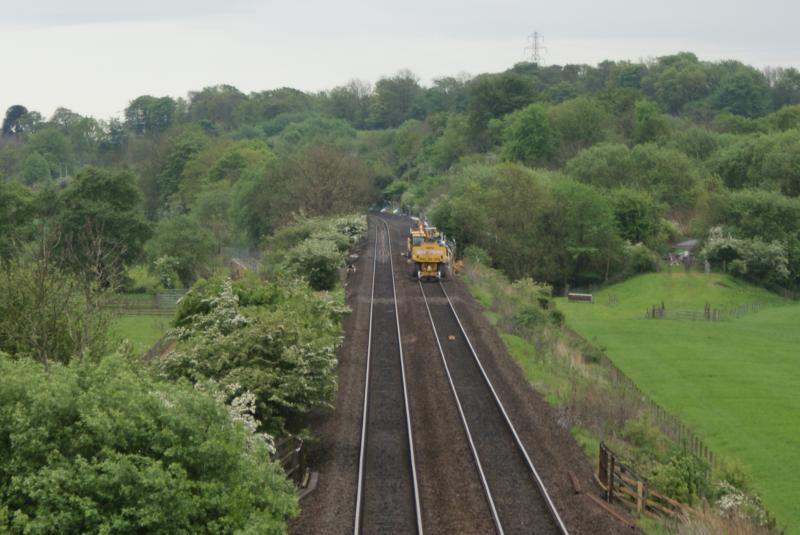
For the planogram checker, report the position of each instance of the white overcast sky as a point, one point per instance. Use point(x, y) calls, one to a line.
point(94, 56)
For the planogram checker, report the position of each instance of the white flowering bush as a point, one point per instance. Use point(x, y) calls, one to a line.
point(750, 259)
point(274, 342)
point(314, 249)
point(735, 503)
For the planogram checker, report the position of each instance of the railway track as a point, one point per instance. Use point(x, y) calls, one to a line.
point(516, 495)
point(387, 499)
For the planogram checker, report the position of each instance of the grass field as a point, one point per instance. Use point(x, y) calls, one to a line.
point(736, 383)
point(143, 331)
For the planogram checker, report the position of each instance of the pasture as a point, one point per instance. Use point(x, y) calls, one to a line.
point(142, 330)
point(735, 383)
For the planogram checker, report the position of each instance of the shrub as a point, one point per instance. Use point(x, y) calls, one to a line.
point(682, 476)
point(318, 261)
point(640, 259)
point(476, 254)
point(314, 249)
point(281, 346)
point(100, 448)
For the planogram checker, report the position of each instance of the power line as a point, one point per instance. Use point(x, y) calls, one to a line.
point(535, 50)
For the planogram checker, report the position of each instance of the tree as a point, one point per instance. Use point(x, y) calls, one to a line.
point(215, 107)
point(580, 227)
point(786, 118)
point(448, 94)
point(741, 90)
point(580, 123)
point(266, 105)
point(696, 142)
point(55, 147)
point(101, 447)
point(668, 174)
point(529, 136)
point(183, 239)
point(181, 148)
point(35, 169)
point(315, 130)
point(102, 211)
point(606, 165)
point(11, 122)
point(681, 83)
point(350, 102)
point(491, 96)
point(765, 216)
point(212, 209)
point(326, 180)
point(150, 115)
point(395, 100)
point(637, 216)
point(785, 84)
point(17, 210)
point(650, 124)
point(451, 144)
point(738, 161)
point(781, 164)
point(256, 203)
point(47, 313)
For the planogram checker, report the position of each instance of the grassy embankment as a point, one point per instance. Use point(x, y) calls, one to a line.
point(735, 383)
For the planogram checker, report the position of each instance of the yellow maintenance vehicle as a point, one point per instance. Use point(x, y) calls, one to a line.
point(429, 252)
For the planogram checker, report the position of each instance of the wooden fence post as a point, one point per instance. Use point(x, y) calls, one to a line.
point(611, 480)
point(639, 496)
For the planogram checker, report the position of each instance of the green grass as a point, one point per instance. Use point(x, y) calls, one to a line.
point(142, 331)
point(736, 383)
point(538, 373)
point(587, 442)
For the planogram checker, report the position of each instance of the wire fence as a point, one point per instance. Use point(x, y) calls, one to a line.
point(709, 313)
point(670, 425)
point(158, 304)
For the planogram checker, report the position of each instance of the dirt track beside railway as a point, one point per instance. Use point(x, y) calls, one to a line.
point(451, 495)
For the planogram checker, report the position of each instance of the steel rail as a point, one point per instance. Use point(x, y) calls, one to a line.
point(539, 483)
point(357, 527)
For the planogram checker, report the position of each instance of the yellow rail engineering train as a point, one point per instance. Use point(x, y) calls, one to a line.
point(429, 252)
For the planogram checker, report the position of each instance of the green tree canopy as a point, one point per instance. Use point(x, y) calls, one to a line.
point(150, 115)
point(183, 239)
point(529, 136)
point(101, 216)
point(102, 447)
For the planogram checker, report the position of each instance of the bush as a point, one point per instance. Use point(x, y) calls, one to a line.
point(281, 346)
point(188, 246)
point(314, 249)
point(318, 261)
point(682, 476)
point(476, 254)
point(100, 448)
point(640, 259)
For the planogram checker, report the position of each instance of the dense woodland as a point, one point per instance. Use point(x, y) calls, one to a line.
point(646, 153)
point(570, 175)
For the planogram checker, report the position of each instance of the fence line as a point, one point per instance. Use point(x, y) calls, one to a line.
point(159, 304)
point(669, 424)
point(291, 454)
point(709, 313)
point(619, 480)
